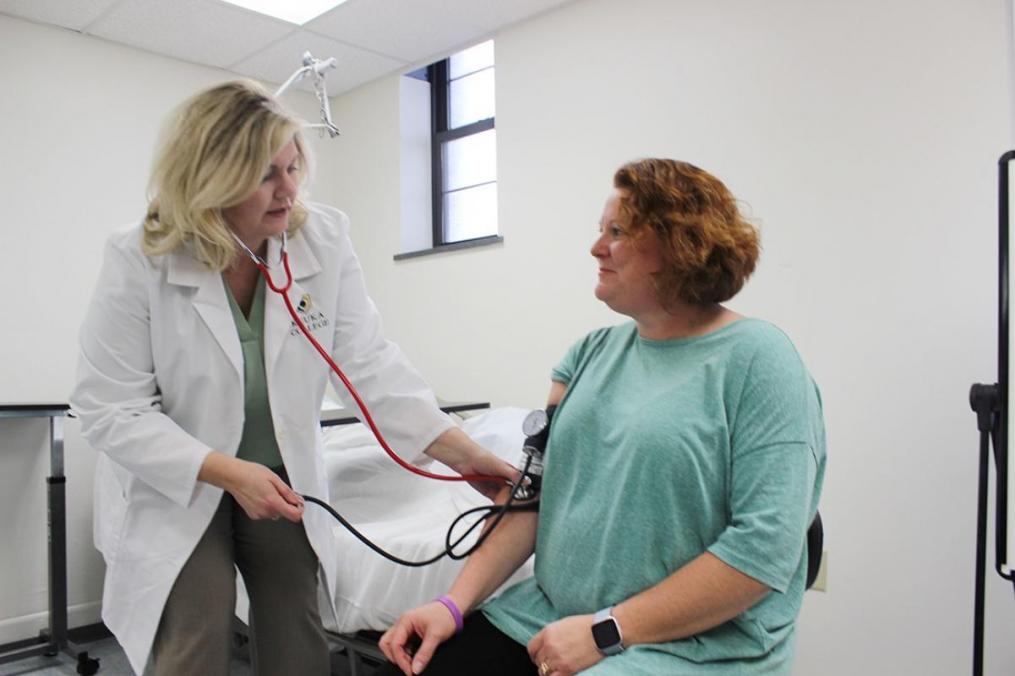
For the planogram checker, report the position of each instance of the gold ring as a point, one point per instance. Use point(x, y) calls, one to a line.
point(544, 669)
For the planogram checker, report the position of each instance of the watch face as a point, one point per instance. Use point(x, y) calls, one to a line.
point(605, 633)
point(535, 422)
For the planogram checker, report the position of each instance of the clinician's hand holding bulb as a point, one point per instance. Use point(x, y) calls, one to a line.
point(259, 491)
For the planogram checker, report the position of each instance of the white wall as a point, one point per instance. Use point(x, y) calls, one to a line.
point(80, 118)
point(862, 135)
point(864, 138)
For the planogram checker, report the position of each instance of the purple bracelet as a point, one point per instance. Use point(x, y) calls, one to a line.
point(455, 612)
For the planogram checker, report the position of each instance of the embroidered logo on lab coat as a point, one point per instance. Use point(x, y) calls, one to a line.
point(311, 318)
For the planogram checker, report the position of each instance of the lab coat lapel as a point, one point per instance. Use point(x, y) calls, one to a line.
point(209, 301)
point(279, 326)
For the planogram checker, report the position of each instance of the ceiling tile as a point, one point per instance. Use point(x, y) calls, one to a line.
point(399, 28)
point(368, 38)
point(354, 66)
point(414, 30)
point(74, 15)
point(200, 31)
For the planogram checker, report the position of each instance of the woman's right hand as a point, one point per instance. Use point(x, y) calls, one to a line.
point(260, 492)
point(432, 623)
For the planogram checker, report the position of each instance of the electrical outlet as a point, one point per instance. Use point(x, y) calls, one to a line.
point(821, 581)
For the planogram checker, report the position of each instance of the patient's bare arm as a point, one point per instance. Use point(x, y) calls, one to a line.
point(503, 552)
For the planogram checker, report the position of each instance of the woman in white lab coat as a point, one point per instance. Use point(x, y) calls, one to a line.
point(203, 398)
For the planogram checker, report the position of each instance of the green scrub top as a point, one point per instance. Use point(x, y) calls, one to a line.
point(258, 441)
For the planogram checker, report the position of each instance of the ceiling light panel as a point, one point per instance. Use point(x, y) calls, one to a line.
point(294, 11)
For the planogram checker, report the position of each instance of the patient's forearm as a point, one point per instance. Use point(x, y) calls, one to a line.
point(507, 548)
point(701, 595)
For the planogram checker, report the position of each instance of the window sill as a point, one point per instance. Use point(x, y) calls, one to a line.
point(456, 246)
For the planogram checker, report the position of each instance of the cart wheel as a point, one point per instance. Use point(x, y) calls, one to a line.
point(87, 666)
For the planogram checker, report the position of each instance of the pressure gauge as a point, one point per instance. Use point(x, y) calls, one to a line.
point(535, 422)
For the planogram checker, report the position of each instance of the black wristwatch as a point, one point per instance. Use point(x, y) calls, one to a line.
point(606, 632)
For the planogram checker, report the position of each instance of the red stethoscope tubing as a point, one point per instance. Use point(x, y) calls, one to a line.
point(284, 292)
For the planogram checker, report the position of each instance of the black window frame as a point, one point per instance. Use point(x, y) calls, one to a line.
point(440, 135)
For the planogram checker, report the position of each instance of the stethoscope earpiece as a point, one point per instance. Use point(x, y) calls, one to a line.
point(260, 262)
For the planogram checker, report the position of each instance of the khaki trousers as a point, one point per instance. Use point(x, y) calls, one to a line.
point(279, 569)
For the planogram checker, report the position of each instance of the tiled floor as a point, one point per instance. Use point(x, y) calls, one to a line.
point(112, 661)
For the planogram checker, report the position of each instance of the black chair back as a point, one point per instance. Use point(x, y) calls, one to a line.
point(815, 543)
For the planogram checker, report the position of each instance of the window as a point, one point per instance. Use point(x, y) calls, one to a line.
point(463, 146)
point(449, 155)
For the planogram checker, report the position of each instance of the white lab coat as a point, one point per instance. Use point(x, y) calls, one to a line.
point(160, 385)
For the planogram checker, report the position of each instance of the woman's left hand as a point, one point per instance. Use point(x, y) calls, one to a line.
point(565, 647)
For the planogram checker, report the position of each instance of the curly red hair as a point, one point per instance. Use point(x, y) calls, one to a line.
point(709, 250)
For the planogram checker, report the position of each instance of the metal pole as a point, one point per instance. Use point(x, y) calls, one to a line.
point(57, 490)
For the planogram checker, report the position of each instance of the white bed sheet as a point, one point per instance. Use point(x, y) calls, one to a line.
point(403, 513)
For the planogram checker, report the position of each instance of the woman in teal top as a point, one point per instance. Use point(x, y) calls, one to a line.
point(684, 464)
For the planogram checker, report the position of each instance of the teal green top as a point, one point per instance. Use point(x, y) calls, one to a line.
point(258, 441)
point(659, 452)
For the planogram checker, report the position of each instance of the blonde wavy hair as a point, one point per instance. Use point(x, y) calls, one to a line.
point(213, 154)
